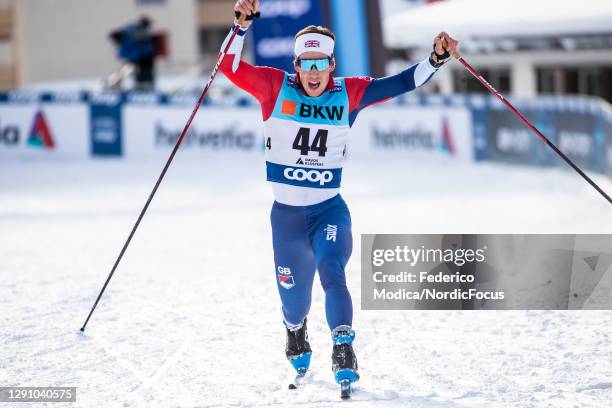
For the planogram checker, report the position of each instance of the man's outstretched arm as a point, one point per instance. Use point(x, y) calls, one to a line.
point(364, 92)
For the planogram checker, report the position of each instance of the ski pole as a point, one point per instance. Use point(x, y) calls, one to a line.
point(550, 144)
point(241, 19)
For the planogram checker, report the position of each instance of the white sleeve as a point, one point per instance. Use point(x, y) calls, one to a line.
point(236, 47)
point(423, 72)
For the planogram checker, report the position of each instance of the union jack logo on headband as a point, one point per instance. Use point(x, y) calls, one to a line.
point(314, 41)
point(312, 44)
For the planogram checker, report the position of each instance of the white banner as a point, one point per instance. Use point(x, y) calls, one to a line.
point(429, 131)
point(44, 130)
point(151, 129)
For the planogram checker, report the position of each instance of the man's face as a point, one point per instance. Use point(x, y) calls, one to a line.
point(314, 81)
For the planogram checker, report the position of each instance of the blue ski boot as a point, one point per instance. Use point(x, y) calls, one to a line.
point(344, 361)
point(298, 351)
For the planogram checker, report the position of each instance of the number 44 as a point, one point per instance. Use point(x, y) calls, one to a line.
point(319, 144)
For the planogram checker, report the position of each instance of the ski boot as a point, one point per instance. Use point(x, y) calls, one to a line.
point(344, 361)
point(298, 351)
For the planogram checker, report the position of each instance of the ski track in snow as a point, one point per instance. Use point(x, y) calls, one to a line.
point(192, 318)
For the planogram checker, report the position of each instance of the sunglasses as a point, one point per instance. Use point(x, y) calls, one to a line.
point(319, 64)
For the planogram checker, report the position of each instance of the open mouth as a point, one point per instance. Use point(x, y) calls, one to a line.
point(314, 85)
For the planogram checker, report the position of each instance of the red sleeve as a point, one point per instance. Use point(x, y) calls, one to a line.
point(264, 83)
point(356, 87)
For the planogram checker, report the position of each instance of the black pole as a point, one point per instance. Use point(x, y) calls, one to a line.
point(163, 173)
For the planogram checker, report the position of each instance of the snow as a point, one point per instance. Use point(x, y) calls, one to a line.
point(467, 19)
point(191, 318)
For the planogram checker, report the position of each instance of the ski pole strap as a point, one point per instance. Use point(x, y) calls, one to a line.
point(249, 17)
point(440, 58)
point(433, 62)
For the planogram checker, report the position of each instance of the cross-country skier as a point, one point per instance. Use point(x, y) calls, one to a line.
point(308, 116)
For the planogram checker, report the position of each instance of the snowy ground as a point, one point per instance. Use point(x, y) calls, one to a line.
point(192, 316)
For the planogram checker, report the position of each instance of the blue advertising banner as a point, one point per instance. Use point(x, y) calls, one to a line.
point(577, 126)
point(509, 140)
point(106, 137)
point(274, 32)
point(580, 139)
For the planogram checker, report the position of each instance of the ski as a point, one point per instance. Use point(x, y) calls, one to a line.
point(345, 389)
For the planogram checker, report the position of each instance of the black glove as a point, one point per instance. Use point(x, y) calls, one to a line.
point(250, 16)
point(440, 59)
